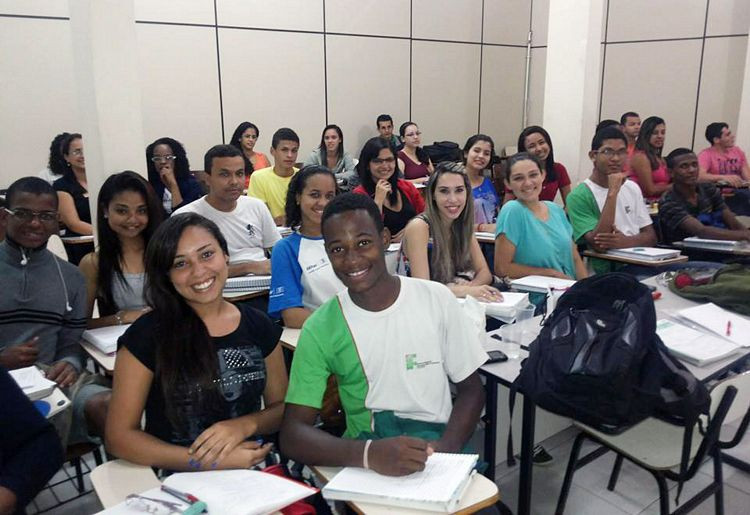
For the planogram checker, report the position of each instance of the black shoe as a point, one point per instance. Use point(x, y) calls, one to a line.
point(541, 456)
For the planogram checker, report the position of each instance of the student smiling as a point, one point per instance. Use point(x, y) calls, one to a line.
point(197, 365)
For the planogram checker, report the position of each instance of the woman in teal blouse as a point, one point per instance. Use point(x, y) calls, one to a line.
point(533, 237)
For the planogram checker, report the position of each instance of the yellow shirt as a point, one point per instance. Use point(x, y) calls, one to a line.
point(270, 188)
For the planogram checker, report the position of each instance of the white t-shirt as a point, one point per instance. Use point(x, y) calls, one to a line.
point(248, 229)
point(410, 349)
point(631, 214)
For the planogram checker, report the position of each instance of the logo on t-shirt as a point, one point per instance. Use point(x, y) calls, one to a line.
point(314, 267)
point(250, 230)
point(412, 363)
point(627, 209)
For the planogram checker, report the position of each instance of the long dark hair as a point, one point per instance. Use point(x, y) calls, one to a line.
point(370, 151)
point(422, 154)
point(236, 141)
point(65, 150)
point(110, 247)
point(644, 140)
point(57, 163)
point(549, 163)
point(322, 148)
point(184, 354)
point(181, 163)
point(299, 180)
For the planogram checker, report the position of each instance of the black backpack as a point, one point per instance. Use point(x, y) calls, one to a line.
point(443, 151)
point(599, 360)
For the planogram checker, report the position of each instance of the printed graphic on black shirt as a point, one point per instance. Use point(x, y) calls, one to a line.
point(240, 384)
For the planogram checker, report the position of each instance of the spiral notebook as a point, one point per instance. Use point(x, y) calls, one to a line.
point(439, 487)
point(248, 283)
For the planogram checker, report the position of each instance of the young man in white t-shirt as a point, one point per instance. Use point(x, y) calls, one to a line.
point(394, 345)
point(606, 210)
point(245, 222)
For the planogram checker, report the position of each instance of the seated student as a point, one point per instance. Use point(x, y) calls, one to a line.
point(244, 138)
point(331, 154)
point(217, 362)
point(398, 199)
point(695, 208)
point(128, 213)
point(30, 452)
point(606, 210)
point(647, 167)
point(413, 159)
point(534, 236)
point(385, 129)
point(479, 153)
point(535, 140)
point(301, 275)
point(73, 198)
point(244, 221)
point(631, 126)
point(44, 309)
point(440, 244)
point(270, 184)
point(725, 162)
point(394, 344)
point(169, 174)
point(608, 122)
point(56, 164)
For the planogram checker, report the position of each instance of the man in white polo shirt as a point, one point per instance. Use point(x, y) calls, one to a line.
point(245, 222)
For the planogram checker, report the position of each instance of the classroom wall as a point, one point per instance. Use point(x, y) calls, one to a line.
point(205, 65)
point(455, 67)
point(682, 60)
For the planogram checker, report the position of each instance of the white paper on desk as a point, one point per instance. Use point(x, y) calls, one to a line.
point(714, 318)
point(154, 493)
point(394, 247)
point(240, 492)
point(105, 338)
point(438, 487)
point(693, 345)
point(32, 382)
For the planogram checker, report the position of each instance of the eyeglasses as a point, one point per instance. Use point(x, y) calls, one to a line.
point(26, 215)
point(387, 160)
point(156, 159)
point(609, 153)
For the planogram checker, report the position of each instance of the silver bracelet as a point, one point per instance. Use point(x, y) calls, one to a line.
point(365, 462)
point(118, 317)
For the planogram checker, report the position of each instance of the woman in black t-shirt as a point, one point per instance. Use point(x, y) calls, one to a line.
point(197, 364)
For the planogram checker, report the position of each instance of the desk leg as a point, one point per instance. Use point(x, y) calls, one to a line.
point(490, 426)
point(527, 448)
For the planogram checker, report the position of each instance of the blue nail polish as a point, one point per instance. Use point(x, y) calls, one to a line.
point(214, 465)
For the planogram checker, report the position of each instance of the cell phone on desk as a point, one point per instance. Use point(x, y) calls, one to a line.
point(496, 356)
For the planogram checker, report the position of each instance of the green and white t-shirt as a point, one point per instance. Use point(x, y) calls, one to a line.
point(400, 359)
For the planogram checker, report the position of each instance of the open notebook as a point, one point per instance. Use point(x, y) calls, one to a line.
point(33, 383)
point(439, 487)
point(719, 321)
point(228, 492)
point(697, 347)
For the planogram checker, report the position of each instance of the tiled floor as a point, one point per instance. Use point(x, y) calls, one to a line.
point(636, 491)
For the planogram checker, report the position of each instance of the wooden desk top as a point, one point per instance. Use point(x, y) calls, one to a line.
point(635, 261)
point(106, 361)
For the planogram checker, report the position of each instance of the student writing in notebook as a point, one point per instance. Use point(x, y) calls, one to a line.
point(199, 366)
point(128, 213)
point(302, 277)
point(394, 344)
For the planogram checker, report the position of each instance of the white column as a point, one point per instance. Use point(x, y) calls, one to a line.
point(571, 89)
point(105, 59)
point(743, 121)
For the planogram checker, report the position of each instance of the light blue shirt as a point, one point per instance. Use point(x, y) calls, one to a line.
point(538, 243)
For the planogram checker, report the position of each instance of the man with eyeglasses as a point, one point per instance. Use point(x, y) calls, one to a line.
point(43, 308)
point(606, 210)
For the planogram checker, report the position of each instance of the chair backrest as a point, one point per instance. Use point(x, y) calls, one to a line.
point(741, 404)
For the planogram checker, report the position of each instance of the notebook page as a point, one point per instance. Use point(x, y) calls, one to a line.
point(693, 345)
point(438, 482)
point(716, 320)
point(239, 492)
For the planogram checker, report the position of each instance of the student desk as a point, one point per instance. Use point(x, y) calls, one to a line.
point(289, 338)
point(635, 261)
point(102, 360)
point(480, 493)
point(238, 296)
point(505, 373)
point(726, 250)
point(485, 237)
